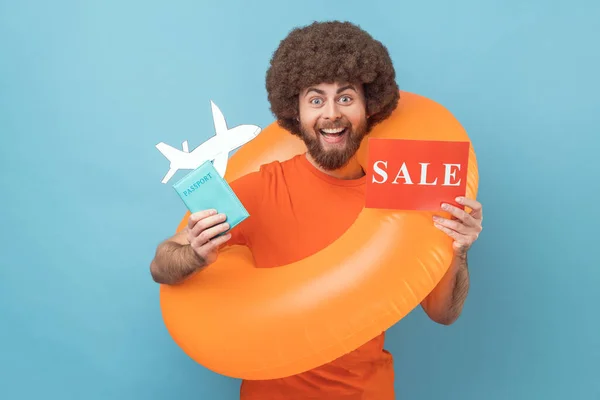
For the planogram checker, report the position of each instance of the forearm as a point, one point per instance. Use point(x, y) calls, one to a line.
point(174, 262)
point(445, 303)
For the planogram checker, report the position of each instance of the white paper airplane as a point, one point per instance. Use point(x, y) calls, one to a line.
point(216, 148)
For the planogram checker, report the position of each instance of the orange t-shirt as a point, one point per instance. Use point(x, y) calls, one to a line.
point(295, 211)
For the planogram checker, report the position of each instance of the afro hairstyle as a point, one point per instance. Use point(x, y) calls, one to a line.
point(327, 52)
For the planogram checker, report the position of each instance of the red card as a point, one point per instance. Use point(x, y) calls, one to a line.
point(415, 174)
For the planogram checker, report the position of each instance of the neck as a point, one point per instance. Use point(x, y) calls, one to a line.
point(352, 169)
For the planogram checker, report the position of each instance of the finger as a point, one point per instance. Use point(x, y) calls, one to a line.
point(207, 223)
point(461, 242)
point(450, 232)
point(471, 203)
point(197, 216)
point(462, 215)
point(474, 205)
point(207, 235)
point(454, 225)
point(215, 243)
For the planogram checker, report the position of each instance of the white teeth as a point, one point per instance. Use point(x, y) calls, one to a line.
point(332, 131)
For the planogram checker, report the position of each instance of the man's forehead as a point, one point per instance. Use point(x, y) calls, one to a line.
point(335, 87)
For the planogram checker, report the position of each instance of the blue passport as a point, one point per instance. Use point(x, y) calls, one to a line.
point(204, 189)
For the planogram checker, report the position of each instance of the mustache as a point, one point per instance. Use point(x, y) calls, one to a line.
point(334, 125)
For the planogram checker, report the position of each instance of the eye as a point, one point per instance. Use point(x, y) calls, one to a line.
point(345, 99)
point(316, 101)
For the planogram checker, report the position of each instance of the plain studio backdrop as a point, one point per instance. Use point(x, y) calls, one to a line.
point(88, 88)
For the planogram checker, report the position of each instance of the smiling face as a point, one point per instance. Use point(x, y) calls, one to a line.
point(333, 122)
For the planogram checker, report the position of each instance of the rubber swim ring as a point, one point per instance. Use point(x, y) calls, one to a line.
point(255, 323)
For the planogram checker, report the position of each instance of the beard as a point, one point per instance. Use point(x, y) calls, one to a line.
point(338, 156)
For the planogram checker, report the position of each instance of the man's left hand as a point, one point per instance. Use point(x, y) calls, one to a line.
point(464, 227)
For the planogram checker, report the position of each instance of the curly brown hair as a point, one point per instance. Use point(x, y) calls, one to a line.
point(326, 52)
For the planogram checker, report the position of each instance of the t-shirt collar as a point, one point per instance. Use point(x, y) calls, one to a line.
point(303, 160)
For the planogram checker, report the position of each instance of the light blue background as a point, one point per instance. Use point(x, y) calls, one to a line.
point(87, 90)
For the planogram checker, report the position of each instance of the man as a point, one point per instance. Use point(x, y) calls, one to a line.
point(329, 83)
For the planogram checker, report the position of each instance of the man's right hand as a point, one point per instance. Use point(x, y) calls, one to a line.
point(203, 226)
point(191, 249)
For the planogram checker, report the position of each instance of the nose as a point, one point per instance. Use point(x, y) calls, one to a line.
point(332, 111)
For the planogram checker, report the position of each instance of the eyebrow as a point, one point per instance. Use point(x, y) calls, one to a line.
point(314, 90)
point(340, 90)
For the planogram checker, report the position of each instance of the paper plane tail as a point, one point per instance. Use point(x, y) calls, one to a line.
point(169, 175)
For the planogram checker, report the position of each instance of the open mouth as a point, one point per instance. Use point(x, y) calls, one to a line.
point(333, 135)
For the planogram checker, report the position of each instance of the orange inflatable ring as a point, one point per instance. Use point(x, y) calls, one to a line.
point(254, 323)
